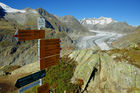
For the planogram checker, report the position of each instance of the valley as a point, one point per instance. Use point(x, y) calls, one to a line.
point(102, 39)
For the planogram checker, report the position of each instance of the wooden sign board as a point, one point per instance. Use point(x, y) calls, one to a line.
point(50, 61)
point(49, 41)
point(49, 47)
point(45, 52)
point(21, 90)
point(49, 52)
point(30, 34)
point(43, 89)
point(30, 78)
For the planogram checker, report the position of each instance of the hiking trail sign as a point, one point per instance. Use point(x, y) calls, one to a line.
point(30, 78)
point(49, 53)
point(23, 35)
point(49, 47)
point(29, 86)
point(49, 61)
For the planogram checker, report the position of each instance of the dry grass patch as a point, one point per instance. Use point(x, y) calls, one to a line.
point(131, 55)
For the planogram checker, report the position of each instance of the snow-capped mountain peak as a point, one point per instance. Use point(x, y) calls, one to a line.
point(94, 21)
point(9, 9)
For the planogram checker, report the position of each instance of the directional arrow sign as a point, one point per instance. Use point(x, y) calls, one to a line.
point(30, 78)
point(29, 86)
point(16, 35)
point(22, 35)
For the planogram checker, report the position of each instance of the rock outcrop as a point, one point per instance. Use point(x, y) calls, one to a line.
point(111, 77)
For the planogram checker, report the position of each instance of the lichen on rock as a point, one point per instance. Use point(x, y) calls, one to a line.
point(112, 77)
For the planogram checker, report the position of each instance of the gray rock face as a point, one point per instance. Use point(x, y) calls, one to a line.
point(111, 77)
point(13, 52)
point(18, 54)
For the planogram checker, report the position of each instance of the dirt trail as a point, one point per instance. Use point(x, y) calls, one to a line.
point(4, 87)
point(7, 82)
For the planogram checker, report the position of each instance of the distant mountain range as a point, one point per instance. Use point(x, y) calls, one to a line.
point(65, 23)
point(107, 24)
point(95, 21)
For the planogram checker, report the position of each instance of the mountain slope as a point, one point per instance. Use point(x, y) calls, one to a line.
point(29, 19)
point(74, 25)
point(132, 39)
point(9, 9)
point(22, 53)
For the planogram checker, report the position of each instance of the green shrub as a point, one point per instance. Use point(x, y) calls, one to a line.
point(61, 76)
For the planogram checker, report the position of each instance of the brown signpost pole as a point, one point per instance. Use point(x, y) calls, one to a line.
point(40, 24)
point(23, 35)
point(48, 52)
point(49, 56)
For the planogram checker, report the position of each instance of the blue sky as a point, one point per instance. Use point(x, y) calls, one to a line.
point(120, 10)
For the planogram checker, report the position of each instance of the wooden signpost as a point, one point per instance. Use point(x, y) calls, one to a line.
point(45, 53)
point(49, 53)
point(48, 62)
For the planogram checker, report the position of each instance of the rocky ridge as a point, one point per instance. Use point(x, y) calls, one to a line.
point(112, 76)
